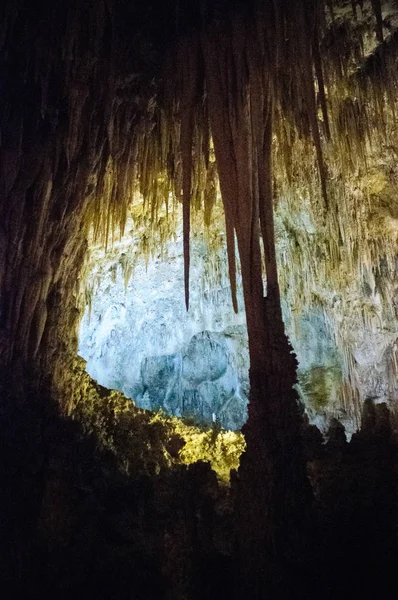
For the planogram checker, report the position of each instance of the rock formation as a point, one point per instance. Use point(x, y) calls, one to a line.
point(289, 107)
point(344, 342)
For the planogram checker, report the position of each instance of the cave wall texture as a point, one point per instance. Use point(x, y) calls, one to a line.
point(136, 313)
point(138, 337)
point(290, 104)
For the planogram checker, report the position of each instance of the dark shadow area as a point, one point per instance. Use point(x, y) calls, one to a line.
point(73, 525)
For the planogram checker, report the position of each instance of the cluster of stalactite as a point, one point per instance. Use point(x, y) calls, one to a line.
point(54, 145)
point(350, 129)
point(346, 267)
point(87, 117)
point(81, 121)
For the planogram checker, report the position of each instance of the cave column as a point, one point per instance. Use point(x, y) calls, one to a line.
point(274, 535)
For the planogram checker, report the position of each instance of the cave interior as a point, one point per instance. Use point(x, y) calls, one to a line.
point(236, 438)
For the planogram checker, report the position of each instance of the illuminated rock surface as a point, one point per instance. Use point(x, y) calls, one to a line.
point(286, 107)
point(142, 341)
point(138, 338)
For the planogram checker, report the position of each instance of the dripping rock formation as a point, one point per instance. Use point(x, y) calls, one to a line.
point(271, 127)
point(138, 338)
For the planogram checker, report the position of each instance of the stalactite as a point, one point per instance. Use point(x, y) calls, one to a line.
point(309, 95)
point(223, 152)
point(86, 122)
point(189, 99)
point(321, 83)
point(376, 5)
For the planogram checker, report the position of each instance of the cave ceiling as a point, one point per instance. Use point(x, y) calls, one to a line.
point(279, 106)
point(271, 126)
